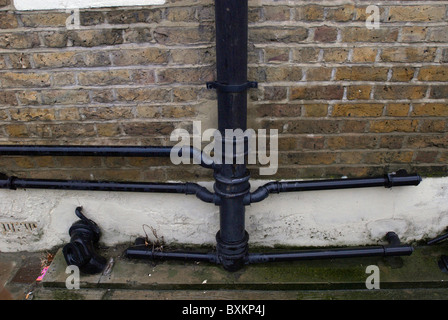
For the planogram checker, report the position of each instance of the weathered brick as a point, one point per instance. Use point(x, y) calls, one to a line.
point(318, 74)
point(438, 34)
point(413, 34)
point(394, 92)
point(143, 76)
point(203, 34)
point(49, 19)
point(310, 126)
point(279, 110)
point(140, 56)
point(362, 34)
point(19, 40)
point(364, 54)
point(108, 129)
point(439, 92)
point(362, 73)
point(358, 92)
point(133, 16)
point(192, 56)
point(275, 74)
point(431, 125)
point(102, 95)
point(307, 158)
point(145, 129)
point(144, 94)
point(430, 109)
point(32, 114)
point(68, 114)
point(306, 54)
point(357, 110)
point(315, 110)
point(97, 59)
point(8, 20)
point(341, 13)
point(96, 37)
point(55, 39)
point(91, 18)
point(433, 73)
point(404, 125)
point(62, 79)
point(275, 93)
point(277, 13)
point(20, 80)
point(16, 130)
point(391, 142)
point(427, 141)
point(331, 92)
point(8, 98)
point(183, 94)
point(335, 55)
point(106, 113)
point(68, 96)
point(403, 74)
point(425, 13)
point(310, 12)
point(397, 109)
point(384, 157)
point(185, 75)
point(352, 142)
point(58, 59)
point(426, 156)
point(72, 130)
point(180, 14)
point(19, 60)
point(276, 34)
point(276, 55)
point(325, 34)
point(350, 157)
point(408, 54)
point(28, 97)
point(104, 78)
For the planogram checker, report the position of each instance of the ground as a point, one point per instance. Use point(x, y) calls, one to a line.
point(410, 277)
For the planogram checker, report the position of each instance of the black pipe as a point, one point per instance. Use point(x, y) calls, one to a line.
point(105, 151)
point(400, 178)
point(377, 251)
point(231, 179)
point(144, 252)
point(184, 188)
point(393, 249)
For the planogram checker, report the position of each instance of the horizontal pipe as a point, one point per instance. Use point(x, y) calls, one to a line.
point(403, 250)
point(105, 151)
point(184, 188)
point(387, 181)
point(144, 252)
point(438, 239)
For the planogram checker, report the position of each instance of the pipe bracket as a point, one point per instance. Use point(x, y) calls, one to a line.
point(236, 88)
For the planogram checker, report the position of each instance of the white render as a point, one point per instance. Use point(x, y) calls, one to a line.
point(79, 4)
point(314, 218)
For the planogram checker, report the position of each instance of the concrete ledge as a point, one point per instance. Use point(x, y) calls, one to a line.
point(416, 276)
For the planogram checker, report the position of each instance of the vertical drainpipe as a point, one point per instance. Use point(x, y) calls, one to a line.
point(231, 180)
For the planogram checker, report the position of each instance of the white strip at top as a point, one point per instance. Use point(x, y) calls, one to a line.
point(80, 4)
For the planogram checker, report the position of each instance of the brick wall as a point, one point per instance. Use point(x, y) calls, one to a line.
point(347, 100)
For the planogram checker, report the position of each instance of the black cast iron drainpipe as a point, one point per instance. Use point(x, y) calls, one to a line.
point(232, 188)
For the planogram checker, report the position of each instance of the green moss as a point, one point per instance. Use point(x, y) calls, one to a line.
point(67, 295)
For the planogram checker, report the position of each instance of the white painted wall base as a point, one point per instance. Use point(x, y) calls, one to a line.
point(320, 218)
